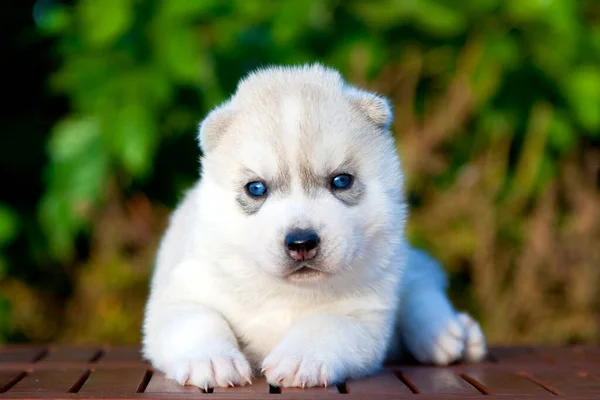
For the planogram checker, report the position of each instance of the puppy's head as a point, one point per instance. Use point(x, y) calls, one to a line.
point(301, 180)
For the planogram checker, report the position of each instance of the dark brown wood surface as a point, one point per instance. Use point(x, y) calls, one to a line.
point(532, 373)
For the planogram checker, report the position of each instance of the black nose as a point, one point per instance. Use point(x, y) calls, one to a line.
point(302, 244)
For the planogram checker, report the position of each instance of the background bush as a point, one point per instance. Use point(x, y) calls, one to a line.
point(497, 107)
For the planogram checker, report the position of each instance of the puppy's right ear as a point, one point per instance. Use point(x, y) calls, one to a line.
point(376, 108)
point(214, 126)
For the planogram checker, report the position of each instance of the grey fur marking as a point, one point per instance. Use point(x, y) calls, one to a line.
point(353, 195)
point(249, 205)
point(280, 185)
point(312, 182)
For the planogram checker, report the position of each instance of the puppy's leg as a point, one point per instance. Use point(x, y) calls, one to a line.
point(430, 327)
point(193, 345)
point(325, 349)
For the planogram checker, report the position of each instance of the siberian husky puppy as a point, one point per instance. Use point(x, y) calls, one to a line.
point(288, 257)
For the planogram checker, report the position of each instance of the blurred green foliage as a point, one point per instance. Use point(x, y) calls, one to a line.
point(137, 76)
point(127, 66)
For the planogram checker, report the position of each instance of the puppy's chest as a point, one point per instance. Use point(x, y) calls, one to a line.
point(264, 321)
point(259, 329)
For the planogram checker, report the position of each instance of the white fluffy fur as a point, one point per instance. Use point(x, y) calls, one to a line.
point(221, 307)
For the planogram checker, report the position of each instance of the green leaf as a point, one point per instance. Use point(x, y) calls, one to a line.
point(59, 224)
point(174, 9)
point(583, 93)
point(75, 188)
point(135, 138)
point(438, 19)
point(562, 136)
point(102, 22)
point(77, 174)
point(384, 14)
point(503, 48)
point(595, 39)
point(292, 21)
point(177, 49)
point(72, 137)
point(526, 10)
point(9, 224)
point(496, 122)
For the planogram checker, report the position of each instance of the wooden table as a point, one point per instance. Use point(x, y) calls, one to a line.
point(37, 372)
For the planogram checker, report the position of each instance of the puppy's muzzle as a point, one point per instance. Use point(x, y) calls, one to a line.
point(302, 244)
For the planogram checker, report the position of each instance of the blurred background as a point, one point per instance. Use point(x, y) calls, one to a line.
point(497, 106)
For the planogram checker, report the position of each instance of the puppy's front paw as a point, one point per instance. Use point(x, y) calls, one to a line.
point(475, 343)
point(441, 344)
point(302, 365)
point(447, 341)
point(211, 365)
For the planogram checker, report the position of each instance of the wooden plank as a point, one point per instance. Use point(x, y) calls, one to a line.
point(259, 385)
point(384, 383)
point(571, 354)
point(114, 382)
point(160, 384)
point(9, 378)
point(520, 354)
point(121, 354)
point(312, 391)
point(569, 372)
point(49, 381)
point(438, 381)
point(71, 354)
point(21, 354)
point(501, 381)
point(565, 382)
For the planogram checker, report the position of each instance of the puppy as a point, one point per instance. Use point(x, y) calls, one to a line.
point(289, 257)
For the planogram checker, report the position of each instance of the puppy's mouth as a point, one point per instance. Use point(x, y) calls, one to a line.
point(306, 273)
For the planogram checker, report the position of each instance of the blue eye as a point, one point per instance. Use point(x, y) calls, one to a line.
point(256, 189)
point(342, 181)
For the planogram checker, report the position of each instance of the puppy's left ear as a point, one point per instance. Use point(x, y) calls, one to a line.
point(213, 127)
point(376, 108)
